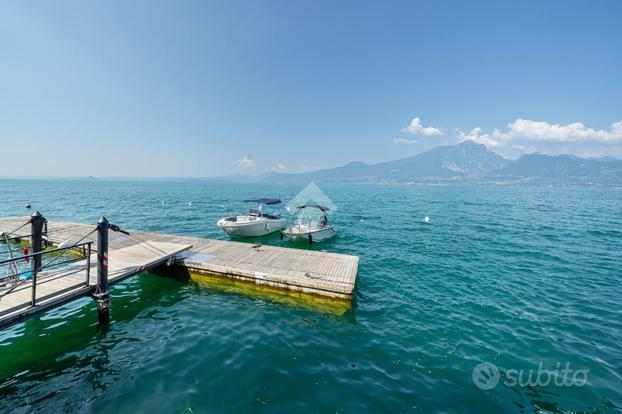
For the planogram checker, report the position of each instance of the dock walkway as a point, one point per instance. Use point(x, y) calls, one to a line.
point(320, 273)
point(57, 288)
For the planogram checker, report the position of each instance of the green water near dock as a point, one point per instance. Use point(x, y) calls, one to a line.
point(515, 276)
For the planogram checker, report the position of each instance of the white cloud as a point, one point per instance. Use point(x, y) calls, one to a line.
point(416, 128)
point(577, 131)
point(245, 162)
point(309, 167)
point(405, 141)
point(540, 131)
point(490, 140)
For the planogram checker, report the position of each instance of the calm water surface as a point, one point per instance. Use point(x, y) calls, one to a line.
point(513, 276)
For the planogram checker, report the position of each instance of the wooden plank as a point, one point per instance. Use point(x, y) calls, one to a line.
point(55, 291)
point(323, 273)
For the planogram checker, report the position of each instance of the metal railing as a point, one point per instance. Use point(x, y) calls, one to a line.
point(59, 265)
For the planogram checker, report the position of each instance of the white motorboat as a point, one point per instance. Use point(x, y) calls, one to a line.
point(256, 223)
point(311, 229)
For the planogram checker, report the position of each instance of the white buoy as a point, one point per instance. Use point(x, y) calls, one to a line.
point(426, 219)
point(162, 202)
point(190, 203)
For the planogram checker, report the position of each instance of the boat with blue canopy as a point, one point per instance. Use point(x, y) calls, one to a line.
point(257, 222)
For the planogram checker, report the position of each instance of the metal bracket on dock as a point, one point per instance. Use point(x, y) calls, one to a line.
point(101, 296)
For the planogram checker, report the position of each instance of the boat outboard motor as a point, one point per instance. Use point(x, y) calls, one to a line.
point(323, 222)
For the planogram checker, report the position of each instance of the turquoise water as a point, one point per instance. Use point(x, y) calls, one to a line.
point(515, 276)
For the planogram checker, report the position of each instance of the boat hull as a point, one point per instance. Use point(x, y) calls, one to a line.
point(313, 236)
point(260, 227)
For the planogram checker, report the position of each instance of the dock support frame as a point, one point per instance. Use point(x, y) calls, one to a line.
point(102, 295)
point(36, 244)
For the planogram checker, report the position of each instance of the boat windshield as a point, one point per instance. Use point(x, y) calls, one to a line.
point(256, 212)
point(313, 218)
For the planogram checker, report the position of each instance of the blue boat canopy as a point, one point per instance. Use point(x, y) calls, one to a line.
point(267, 201)
point(313, 205)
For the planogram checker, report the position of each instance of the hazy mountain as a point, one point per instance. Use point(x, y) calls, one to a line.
point(565, 167)
point(466, 159)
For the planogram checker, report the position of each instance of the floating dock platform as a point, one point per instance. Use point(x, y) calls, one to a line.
point(324, 274)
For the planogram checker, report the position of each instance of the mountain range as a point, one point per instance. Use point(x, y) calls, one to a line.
point(466, 161)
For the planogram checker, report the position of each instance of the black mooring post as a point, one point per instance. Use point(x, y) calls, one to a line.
point(36, 243)
point(102, 295)
point(45, 234)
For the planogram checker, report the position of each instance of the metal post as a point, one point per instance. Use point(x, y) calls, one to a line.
point(88, 264)
point(102, 295)
point(36, 242)
point(45, 233)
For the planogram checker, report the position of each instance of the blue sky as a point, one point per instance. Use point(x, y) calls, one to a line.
point(154, 88)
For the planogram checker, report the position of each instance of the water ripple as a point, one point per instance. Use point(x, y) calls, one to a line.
point(515, 276)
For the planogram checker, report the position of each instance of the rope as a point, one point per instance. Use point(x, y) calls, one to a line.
point(147, 246)
point(17, 284)
point(141, 242)
point(12, 249)
point(65, 251)
point(154, 248)
point(12, 265)
point(13, 232)
point(47, 276)
point(48, 264)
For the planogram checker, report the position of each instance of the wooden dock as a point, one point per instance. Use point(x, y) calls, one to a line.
point(318, 273)
point(55, 288)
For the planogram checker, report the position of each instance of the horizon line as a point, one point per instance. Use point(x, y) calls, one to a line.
point(258, 174)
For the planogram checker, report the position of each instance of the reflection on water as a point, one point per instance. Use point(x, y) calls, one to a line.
point(271, 294)
point(514, 276)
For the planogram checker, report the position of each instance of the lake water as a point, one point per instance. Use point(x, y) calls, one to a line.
point(524, 278)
